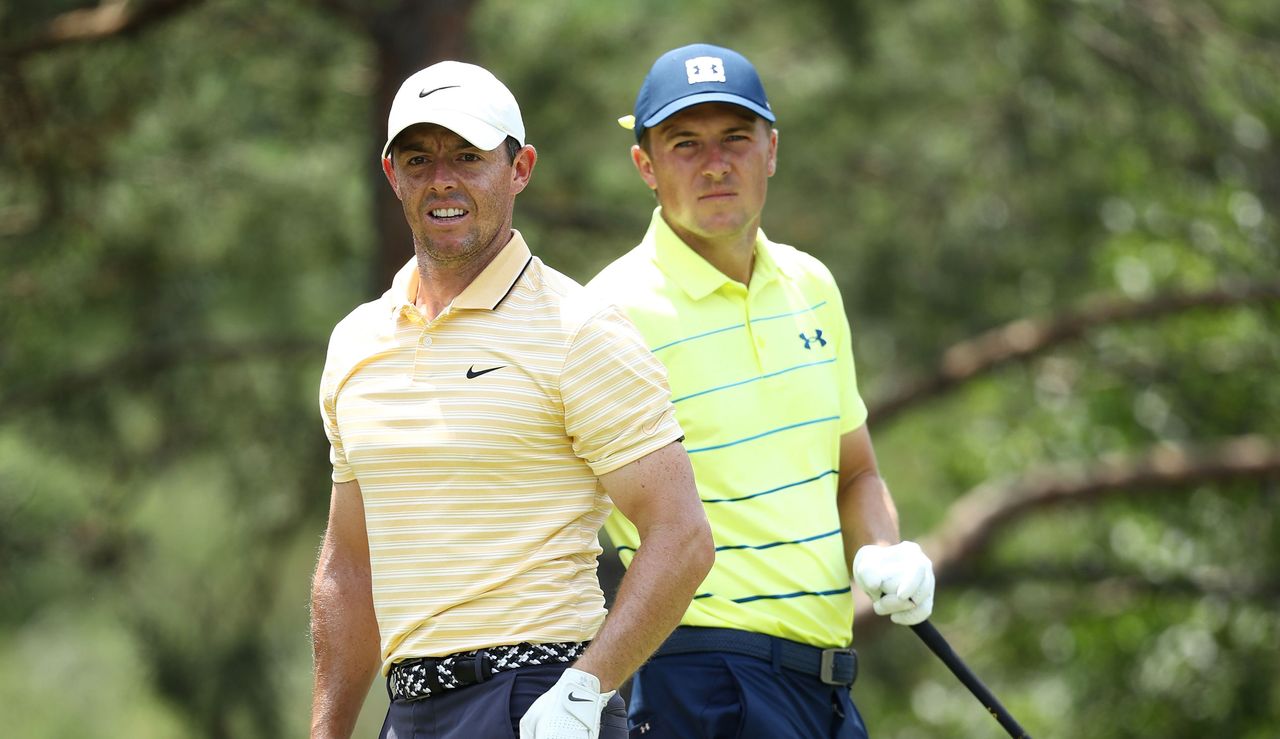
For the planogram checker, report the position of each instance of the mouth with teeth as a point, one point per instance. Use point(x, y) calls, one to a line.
point(446, 215)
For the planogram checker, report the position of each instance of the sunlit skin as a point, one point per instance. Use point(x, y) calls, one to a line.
point(709, 166)
point(433, 169)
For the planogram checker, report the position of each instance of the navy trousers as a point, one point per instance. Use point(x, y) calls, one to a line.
point(711, 695)
point(488, 710)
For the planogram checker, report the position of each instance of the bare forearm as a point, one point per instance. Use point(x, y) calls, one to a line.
point(867, 514)
point(661, 581)
point(344, 633)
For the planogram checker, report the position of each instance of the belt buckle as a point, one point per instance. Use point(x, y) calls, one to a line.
point(826, 672)
point(396, 679)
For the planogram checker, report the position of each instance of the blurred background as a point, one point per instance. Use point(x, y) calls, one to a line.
point(1054, 223)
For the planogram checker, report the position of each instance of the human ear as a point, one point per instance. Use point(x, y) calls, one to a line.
point(644, 165)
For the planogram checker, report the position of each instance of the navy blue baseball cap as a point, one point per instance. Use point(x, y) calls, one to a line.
point(694, 74)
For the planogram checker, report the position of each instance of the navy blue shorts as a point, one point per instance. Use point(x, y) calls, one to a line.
point(488, 710)
point(712, 695)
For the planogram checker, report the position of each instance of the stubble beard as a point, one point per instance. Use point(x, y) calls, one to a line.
point(451, 255)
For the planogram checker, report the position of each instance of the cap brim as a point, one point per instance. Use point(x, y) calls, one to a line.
point(477, 133)
point(676, 106)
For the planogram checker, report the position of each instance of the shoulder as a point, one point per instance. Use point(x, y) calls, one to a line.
point(799, 264)
point(811, 278)
point(615, 273)
point(637, 285)
point(563, 297)
point(353, 338)
point(358, 325)
point(631, 277)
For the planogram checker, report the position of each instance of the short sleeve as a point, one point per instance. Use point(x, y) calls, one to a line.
point(342, 471)
point(617, 404)
point(853, 411)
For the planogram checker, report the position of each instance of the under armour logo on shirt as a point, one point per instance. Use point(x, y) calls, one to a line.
point(817, 336)
point(704, 69)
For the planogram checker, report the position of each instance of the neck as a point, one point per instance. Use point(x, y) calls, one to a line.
point(439, 283)
point(733, 255)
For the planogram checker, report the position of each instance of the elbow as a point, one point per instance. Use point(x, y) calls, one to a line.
point(701, 548)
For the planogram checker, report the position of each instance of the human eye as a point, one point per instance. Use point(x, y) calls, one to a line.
point(416, 160)
point(468, 156)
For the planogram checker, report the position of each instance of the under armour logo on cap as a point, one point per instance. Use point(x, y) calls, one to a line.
point(693, 75)
point(704, 69)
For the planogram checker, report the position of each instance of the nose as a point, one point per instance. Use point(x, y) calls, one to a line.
point(716, 165)
point(441, 178)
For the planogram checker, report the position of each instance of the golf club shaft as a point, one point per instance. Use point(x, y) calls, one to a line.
point(939, 646)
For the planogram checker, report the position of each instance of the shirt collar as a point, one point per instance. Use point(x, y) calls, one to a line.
point(485, 292)
point(690, 271)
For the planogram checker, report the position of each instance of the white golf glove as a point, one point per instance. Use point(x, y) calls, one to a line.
point(898, 578)
point(569, 710)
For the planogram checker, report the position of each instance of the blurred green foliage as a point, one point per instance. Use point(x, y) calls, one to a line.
point(185, 212)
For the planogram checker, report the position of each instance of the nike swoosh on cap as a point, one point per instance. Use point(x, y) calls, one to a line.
point(424, 93)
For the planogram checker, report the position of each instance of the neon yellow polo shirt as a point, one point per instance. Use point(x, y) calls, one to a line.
point(477, 439)
point(763, 383)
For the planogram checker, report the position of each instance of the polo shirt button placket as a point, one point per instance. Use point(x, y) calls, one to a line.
point(420, 361)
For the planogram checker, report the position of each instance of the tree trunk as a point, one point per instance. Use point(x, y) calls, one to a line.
point(414, 35)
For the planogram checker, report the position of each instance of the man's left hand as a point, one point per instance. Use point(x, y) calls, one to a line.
point(569, 710)
point(898, 578)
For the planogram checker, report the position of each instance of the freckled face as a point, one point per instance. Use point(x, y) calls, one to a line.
point(457, 199)
point(710, 165)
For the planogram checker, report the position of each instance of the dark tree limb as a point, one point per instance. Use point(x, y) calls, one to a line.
point(109, 19)
point(972, 521)
point(1099, 576)
point(1029, 337)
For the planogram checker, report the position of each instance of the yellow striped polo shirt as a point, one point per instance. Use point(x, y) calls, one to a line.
point(763, 382)
point(476, 439)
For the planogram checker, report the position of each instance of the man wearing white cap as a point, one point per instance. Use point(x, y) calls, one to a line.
point(482, 415)
point(758, 351)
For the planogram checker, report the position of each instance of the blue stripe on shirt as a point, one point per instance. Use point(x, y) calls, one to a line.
point(773, 490)
point(773, 544)
point(753, 379)
point(770, 545)
point(704, 334)
point(763, 434)
point(781, 596)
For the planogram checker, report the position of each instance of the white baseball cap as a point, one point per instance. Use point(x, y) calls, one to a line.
point(463, 98)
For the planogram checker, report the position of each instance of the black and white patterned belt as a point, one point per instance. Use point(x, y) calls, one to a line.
point(423, 677)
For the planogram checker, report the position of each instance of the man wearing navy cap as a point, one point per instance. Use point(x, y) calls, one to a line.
point(758, 354)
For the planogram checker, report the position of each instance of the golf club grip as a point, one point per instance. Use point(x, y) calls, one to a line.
point(939, 646)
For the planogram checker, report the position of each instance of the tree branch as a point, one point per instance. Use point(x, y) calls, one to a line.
point(109, 19)
point(1028, 337)
point(971, 521)
point(1099, 576)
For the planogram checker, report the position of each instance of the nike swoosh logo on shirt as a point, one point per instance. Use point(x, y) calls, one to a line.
point(473, 374)
point(424, 93)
